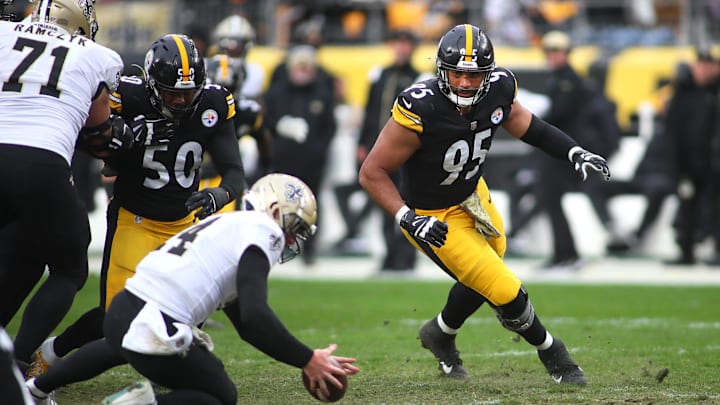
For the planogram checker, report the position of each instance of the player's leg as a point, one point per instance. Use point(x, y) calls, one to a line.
point(519, 316)
point(20, 270)
point(88, 327)
point(63, 235)
point(196, 377)
point(438, 334)
point(11, 380)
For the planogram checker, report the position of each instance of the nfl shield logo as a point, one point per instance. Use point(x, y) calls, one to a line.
point(473, 125)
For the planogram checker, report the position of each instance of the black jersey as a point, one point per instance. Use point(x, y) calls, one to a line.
point(447, 166)
point(156, 177)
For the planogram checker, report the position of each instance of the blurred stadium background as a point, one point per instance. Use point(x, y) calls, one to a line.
point(631, 46)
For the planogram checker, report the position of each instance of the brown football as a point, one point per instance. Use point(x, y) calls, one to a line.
point(335, 392)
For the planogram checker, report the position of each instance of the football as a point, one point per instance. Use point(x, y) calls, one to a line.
point(335, 392)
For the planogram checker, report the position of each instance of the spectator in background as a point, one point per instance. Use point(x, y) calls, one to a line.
point(691, 122)
point(567, 92)
point(506, 21)
point(300, 116)
point(227, 66)
point(233, 37)
point(199, 34)
point(386, 83)
point(581, 109)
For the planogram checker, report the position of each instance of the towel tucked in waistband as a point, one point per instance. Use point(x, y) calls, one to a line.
point(473, 206)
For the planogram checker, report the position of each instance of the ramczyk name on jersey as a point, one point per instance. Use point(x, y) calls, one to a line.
point(39, 29)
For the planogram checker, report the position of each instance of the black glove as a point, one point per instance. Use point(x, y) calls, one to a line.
point(209, 200)
point(152, 131)
point(121, 135)
point(425, 228)
point(583, 159)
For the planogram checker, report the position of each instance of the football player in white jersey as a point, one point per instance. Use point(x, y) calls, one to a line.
point(54, 87)
point(221, 262)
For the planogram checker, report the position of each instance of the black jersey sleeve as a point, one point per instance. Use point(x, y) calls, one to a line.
point(253, 318)
point(413, 103)
point(504, 85)
point(129, 98)
point(225, 155)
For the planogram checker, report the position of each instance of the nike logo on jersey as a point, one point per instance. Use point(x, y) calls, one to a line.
point(408, 104)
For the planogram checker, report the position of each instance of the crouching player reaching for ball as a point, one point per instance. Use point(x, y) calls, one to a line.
point(221, 262)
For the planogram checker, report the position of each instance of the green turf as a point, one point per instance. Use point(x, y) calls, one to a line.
point(625, 338)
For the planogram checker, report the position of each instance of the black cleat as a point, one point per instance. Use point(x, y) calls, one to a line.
point(558, 363)
point(443, 348)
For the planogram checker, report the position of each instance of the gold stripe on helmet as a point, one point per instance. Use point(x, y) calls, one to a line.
point(185, 75)
point(224, 66)
point(468, 43)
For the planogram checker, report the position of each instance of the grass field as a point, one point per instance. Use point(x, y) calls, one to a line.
point(625, 338)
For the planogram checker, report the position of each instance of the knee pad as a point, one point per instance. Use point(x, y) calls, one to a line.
point(517, 315)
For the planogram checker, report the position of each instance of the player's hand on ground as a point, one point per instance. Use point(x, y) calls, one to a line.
point(583, 160)
point(424, 227)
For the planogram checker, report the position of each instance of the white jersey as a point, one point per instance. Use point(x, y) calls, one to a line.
point(49, 79)
point(193, 274)
point(252, 86)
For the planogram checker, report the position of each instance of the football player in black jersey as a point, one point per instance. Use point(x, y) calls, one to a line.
point(441, 130)
point(176, 118)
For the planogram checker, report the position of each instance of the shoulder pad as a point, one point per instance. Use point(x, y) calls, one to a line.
point(414, 102)
point(503, 83)
point(219, 99)
point(129, 89)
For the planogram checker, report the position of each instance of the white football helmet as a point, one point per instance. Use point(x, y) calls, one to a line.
point(77, 17)
point(290, 203)
point(234, 36)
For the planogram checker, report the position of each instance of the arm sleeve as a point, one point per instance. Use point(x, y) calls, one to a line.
point(255, 321)
point(225, 153)
point(547, 137)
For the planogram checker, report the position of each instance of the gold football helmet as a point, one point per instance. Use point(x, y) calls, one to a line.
point(77, 17)
point(290, 203)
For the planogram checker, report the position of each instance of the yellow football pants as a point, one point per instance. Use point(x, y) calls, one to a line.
point(134, 238)
point(475, 261)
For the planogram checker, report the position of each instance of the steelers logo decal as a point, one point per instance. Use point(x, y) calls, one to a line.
point(497, 116)
point(209, 118)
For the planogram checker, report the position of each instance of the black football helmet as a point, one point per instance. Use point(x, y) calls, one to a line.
point(465, 48)
point(175, 74)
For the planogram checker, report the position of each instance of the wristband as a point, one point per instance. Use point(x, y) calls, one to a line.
point(400, 213)
point(572, 152)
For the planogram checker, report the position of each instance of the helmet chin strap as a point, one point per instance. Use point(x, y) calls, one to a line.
point(464, 101)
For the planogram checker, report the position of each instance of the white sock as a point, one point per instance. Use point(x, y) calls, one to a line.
point(547, 343)
point(34, 390)
point(444, 327)
point(48, 351)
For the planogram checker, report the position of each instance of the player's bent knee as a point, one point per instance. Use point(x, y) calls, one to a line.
point(517, 315)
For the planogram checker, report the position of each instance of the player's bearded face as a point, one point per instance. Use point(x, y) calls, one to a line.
point(178, 98)
point(465, 84)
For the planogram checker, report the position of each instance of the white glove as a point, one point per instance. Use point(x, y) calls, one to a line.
point(295, 128)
